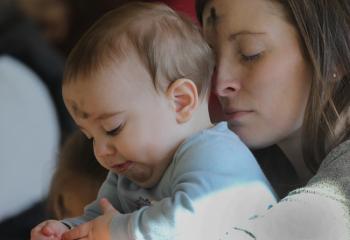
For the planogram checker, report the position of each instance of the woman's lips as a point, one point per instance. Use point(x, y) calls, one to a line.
point(122, 167)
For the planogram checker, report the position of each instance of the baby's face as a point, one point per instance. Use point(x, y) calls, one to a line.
point(133, 127)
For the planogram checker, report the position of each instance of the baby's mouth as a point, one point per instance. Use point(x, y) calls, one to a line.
point(122, 167)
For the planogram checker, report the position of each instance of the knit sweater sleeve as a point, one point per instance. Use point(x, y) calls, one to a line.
point(318, 211)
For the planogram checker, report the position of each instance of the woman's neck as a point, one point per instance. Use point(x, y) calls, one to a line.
point(292, 148)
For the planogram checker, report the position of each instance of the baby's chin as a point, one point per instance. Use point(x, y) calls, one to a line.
point(141, 176)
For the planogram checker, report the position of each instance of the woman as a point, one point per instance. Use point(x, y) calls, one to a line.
point(282, 77)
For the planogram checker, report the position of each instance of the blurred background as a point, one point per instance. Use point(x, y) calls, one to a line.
point(47, 168)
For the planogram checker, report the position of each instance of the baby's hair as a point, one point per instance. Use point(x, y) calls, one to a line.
point(169, 45)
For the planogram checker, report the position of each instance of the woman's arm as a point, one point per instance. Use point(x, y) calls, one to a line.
point(320, 210)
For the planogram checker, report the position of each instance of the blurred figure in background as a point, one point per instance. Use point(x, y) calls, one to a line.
point(183, 6)
point(51, 17)
point(21, 38)
point(33, 122)
point(77, 178)
point(29, 142)
point(83, 13)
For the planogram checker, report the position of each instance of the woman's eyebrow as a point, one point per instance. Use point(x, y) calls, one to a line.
point(233, 36)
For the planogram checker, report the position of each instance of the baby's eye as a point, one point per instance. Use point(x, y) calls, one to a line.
point(114, 131)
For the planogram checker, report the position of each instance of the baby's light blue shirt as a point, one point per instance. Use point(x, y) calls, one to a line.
point(209, 163)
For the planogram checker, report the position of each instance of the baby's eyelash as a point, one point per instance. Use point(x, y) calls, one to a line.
point(91, 139)
point(86, 135)
point(114, 131)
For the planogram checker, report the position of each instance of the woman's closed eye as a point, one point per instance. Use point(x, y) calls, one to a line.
point(250, 57)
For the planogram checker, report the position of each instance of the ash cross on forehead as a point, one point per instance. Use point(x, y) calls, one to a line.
point(213, 16)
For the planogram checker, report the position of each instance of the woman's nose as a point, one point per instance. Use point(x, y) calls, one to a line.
point(103, 148)
point(226, 80)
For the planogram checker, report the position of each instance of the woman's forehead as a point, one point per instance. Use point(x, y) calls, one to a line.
point(217, 10)
point(229, 17)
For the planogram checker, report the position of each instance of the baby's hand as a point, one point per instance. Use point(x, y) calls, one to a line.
point(97, 229)
point(48, 230)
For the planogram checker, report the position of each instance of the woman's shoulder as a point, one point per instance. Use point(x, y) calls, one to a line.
point(335, 171)
point(340, 155)
point(336, 164)
point(323, 205)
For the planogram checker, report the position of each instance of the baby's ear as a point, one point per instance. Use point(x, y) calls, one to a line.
point(183, 95)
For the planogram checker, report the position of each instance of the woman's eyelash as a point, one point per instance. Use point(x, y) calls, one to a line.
point(250, 58)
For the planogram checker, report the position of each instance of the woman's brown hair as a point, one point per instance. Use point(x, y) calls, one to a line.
point(324, 28)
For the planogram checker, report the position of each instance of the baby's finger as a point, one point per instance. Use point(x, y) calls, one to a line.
point(80, 232)
point(39, 226)
point(106, 206)
point(36, 232)
point(54, 228)
point(47, 231)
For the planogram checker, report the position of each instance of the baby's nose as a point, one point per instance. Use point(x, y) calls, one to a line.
point(103, 149)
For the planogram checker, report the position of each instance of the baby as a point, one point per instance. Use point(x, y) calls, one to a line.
point(137, 85)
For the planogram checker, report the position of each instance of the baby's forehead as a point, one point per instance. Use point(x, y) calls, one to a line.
point(130, 69)
point(127, 72)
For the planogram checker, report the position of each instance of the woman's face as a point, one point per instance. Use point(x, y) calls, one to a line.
point(262, 78)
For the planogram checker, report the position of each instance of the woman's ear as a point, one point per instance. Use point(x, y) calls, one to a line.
point(183, 95)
